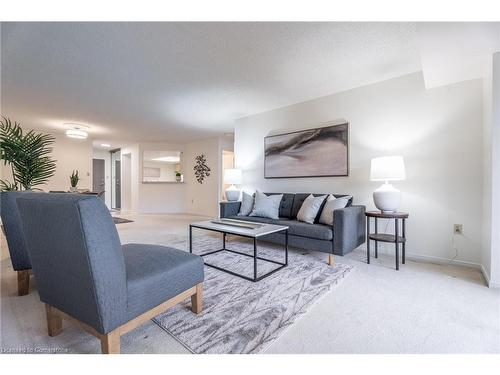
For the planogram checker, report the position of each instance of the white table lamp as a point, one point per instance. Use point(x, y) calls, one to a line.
point(233, 177)
point(387, 168)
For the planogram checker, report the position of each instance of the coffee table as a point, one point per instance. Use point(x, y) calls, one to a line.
point(243, 229)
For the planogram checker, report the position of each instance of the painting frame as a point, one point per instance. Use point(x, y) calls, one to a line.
point(327, 125)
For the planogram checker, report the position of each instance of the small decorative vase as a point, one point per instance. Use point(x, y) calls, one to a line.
point(178, 178)
point(73, 189)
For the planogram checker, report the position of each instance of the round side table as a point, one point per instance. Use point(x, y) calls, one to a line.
point(396, 238)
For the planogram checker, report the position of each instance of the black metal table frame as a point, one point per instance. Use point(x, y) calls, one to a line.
point(254, 256)
point(396, 238)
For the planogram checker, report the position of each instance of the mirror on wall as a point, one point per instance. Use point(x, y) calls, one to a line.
point(161, 166)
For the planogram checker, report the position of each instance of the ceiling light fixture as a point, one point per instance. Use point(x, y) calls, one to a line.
point(76, 131)
point(107, 145)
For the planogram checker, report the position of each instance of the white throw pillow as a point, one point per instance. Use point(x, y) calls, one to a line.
point(309, 209)
point(266, 206)
point(247, 202)
point(332, 204)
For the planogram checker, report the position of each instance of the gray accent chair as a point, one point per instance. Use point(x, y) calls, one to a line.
point(16, 242)
point(84, 274)
point(346, 234)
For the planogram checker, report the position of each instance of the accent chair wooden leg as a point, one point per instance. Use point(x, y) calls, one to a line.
point(197, 299)
point(330, 260)
point(54, 321)
point(110, 343)
point(23, 282)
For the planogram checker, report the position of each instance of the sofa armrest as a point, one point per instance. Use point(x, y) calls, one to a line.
point(348, 229)
point(229, 209)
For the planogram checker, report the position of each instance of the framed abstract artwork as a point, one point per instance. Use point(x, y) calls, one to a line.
point(320, 152)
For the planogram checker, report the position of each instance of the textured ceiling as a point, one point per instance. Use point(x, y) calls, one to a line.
point(185, 81)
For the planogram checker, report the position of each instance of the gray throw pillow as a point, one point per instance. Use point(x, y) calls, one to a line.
point(309, 209)
point(332, 204)
point(246, 206)
point(266, 206)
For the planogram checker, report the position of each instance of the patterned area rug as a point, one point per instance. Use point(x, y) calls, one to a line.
point(241, 316)
point(120, 220)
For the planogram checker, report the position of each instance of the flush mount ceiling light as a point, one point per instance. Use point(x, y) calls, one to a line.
point(76, 131)
point(106, 145)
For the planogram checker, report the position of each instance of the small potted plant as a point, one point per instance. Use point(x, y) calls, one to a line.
point(178, 176)
point(74, 181)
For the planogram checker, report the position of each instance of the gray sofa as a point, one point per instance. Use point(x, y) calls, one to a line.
point(347, 232)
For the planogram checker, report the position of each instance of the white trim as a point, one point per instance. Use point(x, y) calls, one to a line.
point(444, 261)
point(491, 284)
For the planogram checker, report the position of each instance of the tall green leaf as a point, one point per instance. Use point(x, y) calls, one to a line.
point(28, 155)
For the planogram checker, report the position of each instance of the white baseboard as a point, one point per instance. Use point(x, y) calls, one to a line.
point(440, 260)
point(444, 261)
point(491, 284)
point(427, 258)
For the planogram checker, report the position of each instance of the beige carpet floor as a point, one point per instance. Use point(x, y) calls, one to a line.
point(423, 308)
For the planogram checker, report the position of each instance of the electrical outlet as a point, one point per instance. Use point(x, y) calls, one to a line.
point(457, 228)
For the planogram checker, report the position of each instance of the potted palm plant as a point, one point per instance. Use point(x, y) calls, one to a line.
point(73, 179)
point(28, 154)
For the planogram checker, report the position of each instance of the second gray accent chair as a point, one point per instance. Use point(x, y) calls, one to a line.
point(84, 274)
point(16, 242)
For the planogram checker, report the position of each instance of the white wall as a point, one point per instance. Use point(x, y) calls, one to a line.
point(106, 156)
point(203, 199)
point(495, 174)
point(487, 145)
point(149, 197)
point(439, 133)
point(70, 154)
point(187, 197)
point(129, 164)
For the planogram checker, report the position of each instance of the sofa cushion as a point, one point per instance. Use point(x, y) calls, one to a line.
point(299, 228)
point(266, 206)
point(296, 228)
point(286, 204)
point(247, 202)
point(156, 274)
point(300, 197)
point(310, 208)
point(332, 204)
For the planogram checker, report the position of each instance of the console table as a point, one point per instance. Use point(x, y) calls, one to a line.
point(397, 238)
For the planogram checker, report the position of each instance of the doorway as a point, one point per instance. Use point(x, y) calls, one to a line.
point(116, 201)
point(98, 175)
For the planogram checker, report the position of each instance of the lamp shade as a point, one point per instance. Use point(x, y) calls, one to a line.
point(232, 176)
point(387, 168)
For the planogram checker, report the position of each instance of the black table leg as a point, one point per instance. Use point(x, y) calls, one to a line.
point(368, 240)
point(255, 259)
point(224, 241)
point(404, 243)
point(190, 239)
point(376, 242)
point(396, 243)
point(286, 247)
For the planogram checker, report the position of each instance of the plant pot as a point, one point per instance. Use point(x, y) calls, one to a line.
point(73, 189)
point(178, 178)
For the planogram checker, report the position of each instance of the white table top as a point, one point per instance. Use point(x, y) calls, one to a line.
point(261, 229)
